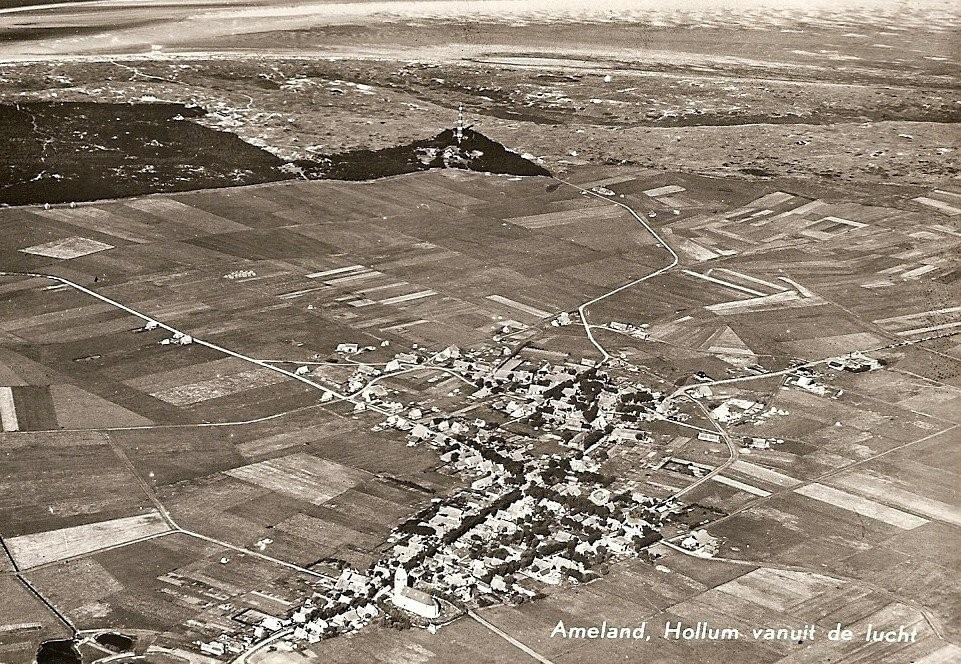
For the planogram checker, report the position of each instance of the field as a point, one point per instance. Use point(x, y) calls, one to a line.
point(256, 462)
point(39, 495)
point(215, 361)
point(184, 580)
point(300, 476)
point(24, 622)
point(67, 248)
point(40, 548)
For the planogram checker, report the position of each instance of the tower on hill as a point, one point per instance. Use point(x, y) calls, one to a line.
point(459, 132)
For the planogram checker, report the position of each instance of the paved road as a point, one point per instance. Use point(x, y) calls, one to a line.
point(682, 392)
point(351, 398)
point(510, 639)
point(732, 456)
point(675, 260)
point(257, 647)
point(200, 342)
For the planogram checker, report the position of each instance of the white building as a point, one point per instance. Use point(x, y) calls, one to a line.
point(409, 599)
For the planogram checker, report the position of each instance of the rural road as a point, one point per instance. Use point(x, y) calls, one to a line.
point(675, 260)
point(507, 637)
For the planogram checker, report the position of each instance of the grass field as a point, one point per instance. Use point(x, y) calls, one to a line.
point(67, 248)
point(300, 476)
point(40, 548)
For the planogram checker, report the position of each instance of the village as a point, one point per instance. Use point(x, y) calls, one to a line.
point(526, 520)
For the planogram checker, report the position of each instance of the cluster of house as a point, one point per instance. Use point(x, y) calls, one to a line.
point(350, 603)
point(575, 401)
point(546, 518)
point(535, 509)
point(636, 331)
point(855, 362)
point(175, 339)
point(735, 410)
point(524, 520)
point(807, 380)
point(759, 442)
point(700, 542)
point(685, 466)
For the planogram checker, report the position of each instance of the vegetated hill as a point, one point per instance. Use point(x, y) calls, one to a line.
point(60, 152)
point(475, 152)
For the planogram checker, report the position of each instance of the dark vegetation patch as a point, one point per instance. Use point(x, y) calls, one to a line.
point(59, 152)
point(817, 117)
point(59, 652)
point(696, 515)
point(114, 641)
point(475, 152)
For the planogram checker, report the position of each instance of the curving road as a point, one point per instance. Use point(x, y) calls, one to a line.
point(675, 260)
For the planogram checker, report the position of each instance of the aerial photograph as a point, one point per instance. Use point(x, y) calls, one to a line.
point(480, 332)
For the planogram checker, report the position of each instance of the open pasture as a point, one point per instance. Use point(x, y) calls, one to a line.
point(45, 547)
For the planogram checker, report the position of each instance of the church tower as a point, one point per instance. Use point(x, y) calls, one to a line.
point(400, 579)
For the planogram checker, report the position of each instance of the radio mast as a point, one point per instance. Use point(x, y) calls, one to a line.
point(459, 132)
